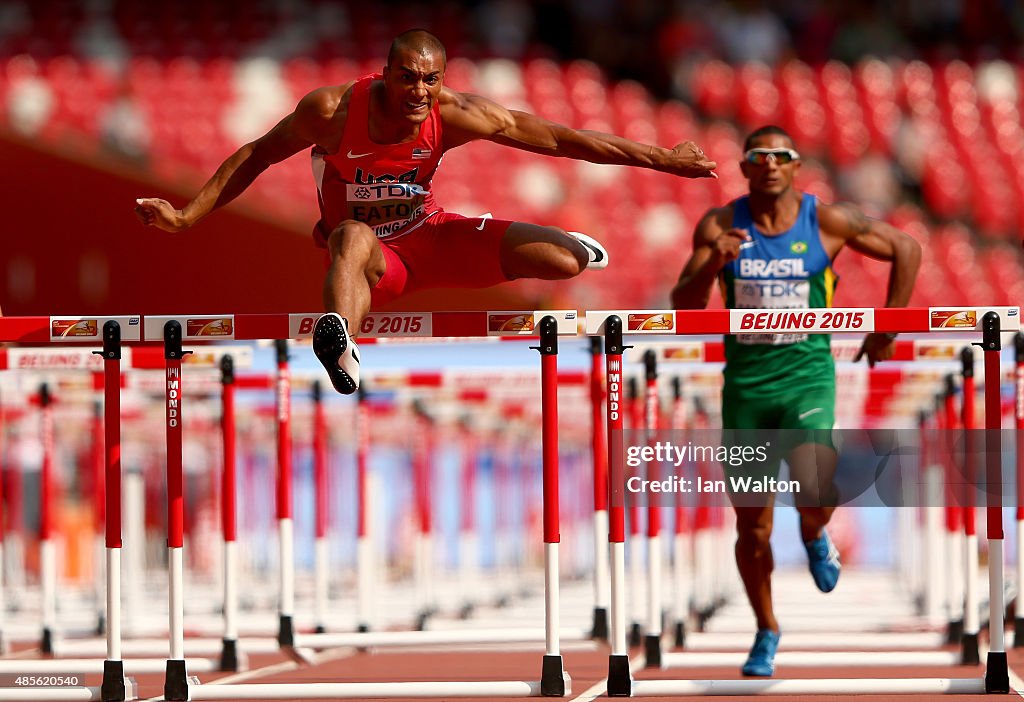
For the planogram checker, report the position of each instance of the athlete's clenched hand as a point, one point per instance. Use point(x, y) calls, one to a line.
point(158, 213)
point(688, 160)
point(727, 245)
point(877, 347)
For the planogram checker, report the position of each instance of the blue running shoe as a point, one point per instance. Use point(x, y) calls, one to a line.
point(823, 560)
point(761, 661)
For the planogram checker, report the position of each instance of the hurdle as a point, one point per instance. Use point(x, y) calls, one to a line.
point(918, 350)
point(989, 321)
point(648, 354)
point(175, 331)
point(1018, 412)
point(141, 358)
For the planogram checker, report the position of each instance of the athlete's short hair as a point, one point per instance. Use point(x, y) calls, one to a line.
point(766, 130)
point(418, 40)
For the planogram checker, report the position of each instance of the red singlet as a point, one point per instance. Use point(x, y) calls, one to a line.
point(387, 186)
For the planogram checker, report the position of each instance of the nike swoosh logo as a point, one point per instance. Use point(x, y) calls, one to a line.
point(483, 220)
point(808, 413)
point(596, 255)
point(352, 155)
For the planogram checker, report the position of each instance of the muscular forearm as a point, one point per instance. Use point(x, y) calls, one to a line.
point(905, 262)
point(232, 178)
point(598, 147)
point(693, 290)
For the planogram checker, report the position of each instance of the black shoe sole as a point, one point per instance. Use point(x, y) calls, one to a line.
point(329, 343)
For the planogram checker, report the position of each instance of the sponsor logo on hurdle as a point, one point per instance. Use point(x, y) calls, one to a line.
point(396, 324)
point(935, 351)
point(802, 320)
point(505, 323)
point(953, 319)
point(210, 357)
point(283, 394)
point(660, 321)
point(300, 326)
point(62, 328)
point(173, 393)
point(212, 327)
point(614, 390)
point(686, 352)
point(51, 359)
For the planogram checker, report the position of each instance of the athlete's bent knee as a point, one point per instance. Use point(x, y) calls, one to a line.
point(757, 538)
point(351, 238)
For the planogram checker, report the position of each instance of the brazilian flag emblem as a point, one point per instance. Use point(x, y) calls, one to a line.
point(798, 247)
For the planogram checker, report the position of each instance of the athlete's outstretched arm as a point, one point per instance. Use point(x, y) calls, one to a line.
point(883, 242)
point(468, 117)
point(714, 245)
point(298, 131)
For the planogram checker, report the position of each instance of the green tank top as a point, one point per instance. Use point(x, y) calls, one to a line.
point(790, 270)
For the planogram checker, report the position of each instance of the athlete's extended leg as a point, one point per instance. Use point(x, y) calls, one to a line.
point(357, 264)
point(754, 558)
point(814, 466)
point(755, 562)
point(548, 253)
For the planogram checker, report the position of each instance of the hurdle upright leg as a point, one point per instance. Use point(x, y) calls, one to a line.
point(970, 654)
point(652, 638)
point(229, 658)
point(620, 679)
point(176, 678)
point(1018, 413)
point(997, 678)
point(554, 682)
point(599, 450)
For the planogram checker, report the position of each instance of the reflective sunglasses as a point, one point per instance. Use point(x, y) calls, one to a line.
point(759, 157)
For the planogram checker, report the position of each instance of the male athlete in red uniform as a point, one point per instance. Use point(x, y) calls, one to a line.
point(376, 143)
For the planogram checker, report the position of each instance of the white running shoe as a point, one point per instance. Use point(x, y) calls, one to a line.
point(598, 255)
point(337, 351)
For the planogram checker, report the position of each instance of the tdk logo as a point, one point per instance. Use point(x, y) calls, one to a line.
point(775, 268)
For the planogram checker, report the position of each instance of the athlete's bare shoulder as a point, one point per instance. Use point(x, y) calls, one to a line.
point(713, 223)
point(468, 117)
point(321, 114)
point(449, 98)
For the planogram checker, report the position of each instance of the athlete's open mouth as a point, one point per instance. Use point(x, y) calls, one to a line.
point(416, 106)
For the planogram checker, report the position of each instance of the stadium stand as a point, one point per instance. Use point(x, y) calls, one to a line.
point(178, 89)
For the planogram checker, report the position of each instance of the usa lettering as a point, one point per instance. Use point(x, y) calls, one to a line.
point(775, 268)
point(364, 178)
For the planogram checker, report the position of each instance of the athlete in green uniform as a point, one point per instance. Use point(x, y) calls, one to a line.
point(774, 248)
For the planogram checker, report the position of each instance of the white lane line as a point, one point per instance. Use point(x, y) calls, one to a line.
point(1016, 684)
point(324, 657)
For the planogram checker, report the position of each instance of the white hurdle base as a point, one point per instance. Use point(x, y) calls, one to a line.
point(424, 638)
point(833, 686)
point(159, 647)
point(332, 691)
point(810, 659)
point(94, 666)
point(59, 694)
point(857, 640)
